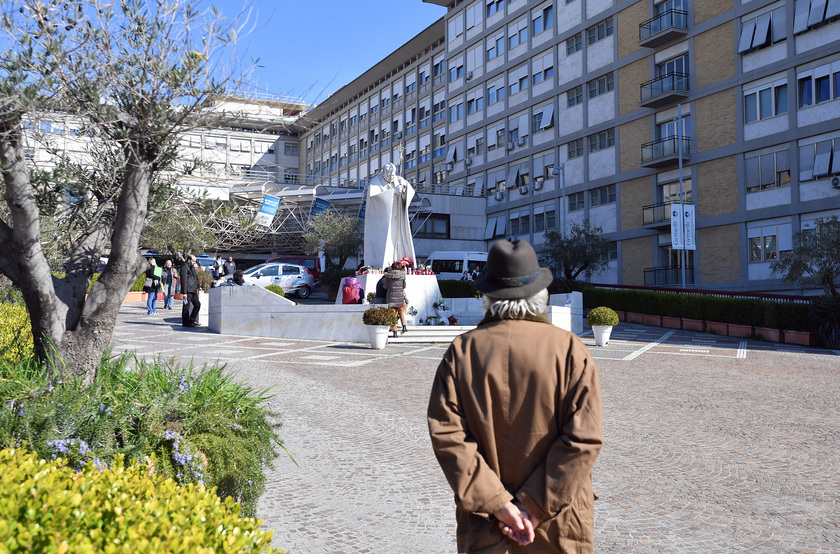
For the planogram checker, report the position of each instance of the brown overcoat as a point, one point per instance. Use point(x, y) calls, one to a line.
point(515, 410)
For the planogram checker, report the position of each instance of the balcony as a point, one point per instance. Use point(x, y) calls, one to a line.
point(658, 215)
point(665, 152)
point(663, 28)
point(667, 276)
point(664, 89)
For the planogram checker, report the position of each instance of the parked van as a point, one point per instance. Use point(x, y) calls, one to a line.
point(453, 264)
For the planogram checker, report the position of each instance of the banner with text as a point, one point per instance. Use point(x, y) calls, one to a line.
point(319, 206)
point(688, 226)
point(267, 211)
point(677, 242)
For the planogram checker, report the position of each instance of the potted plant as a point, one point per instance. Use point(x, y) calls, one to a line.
point(379, 321)
point(602, 320)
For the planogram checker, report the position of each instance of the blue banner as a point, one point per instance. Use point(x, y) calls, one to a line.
point(319, 206)
point(268, 210)
point(362, 211)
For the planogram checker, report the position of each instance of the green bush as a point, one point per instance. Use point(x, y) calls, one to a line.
point(451, 288)
point(15, 333)
point(47, 507)
point(276, 289)
point(602, 316)
point(381, 315)
point(138, 283)
point(201, 426)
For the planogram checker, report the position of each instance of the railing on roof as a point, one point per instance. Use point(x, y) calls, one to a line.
point(255, 94)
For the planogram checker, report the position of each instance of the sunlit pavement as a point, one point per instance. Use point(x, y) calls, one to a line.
point(712, 443)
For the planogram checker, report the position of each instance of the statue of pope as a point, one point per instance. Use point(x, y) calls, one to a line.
point(387, 228)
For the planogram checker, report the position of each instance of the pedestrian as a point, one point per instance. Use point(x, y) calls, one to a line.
point(170, 282)
point(189, 288)
point(151, 286)
point(515, 418)
point(229, 267)
point(218, 271)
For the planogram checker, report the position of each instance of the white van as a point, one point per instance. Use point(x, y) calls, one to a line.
point(453, 264)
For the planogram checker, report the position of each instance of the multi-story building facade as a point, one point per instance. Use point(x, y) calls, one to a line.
point(515, 117)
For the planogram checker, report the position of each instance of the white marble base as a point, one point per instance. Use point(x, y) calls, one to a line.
point(574, 302)
point(421, 290)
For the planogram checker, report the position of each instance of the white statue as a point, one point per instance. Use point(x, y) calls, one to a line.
point(387, 228)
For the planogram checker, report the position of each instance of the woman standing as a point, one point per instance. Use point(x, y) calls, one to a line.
point(170, 279)
point(152, 287)
point(395, 292)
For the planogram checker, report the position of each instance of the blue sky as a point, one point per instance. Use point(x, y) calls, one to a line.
point(311, 48)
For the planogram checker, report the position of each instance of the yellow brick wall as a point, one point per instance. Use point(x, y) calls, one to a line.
point(634, 195)
point(627, 28)
point(720, 256)
point(717, 187)
point(636, 255)
point(630, 79)
point(631, 136)
point(713, 59)
point(715, 120)
point(707, 9)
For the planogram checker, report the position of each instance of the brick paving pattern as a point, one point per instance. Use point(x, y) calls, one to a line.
point(712, 444)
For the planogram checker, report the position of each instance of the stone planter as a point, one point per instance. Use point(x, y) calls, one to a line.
point(803, 338)
point(735, 330)
point(622, 315)
point(693, 325)
point(378, 336)
point(633, 317)
point(601, 334)
point(650, 319)
point(716, 327)
point(135, 296)
point(772, 335)
point(671, 322)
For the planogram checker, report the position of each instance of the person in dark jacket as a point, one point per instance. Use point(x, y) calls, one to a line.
point(395, 292)
point(189, 286)
point(152, 289)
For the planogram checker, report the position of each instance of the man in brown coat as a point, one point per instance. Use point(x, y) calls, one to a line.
point(515, 418)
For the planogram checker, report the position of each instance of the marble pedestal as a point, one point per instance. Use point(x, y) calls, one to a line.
point(421, 291)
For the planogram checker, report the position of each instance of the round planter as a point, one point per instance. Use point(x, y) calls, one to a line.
point(602, 334)
point(378, 336)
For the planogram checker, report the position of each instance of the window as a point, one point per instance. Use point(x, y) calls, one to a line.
point(410, 87)
point(475, 104)
point(765, 102)
point(374, 140)
point(542, 20)
point(456, 73)
point(602, 196)
point(518, 79)
point(767, 171)
point(806, 92)
point(678, 66)
point(342, 125)
point(600, 31)
point(439, 145)
point(410, 159)
point(423, 77)
point(518, 34)
point(439, 68)
point(542, 67)
point(762, 31)
point(386, 102)
point(764, 242)
point(363, 147)
point(475, 145)
point(520, 225)
point(436, 226)
point(496, 91)
point(474, 15)
point(544, 221)
point(574, 96)
point(613, 252)
point(411, 121)
point(456, 112)
point(806, 19)
point(575, 149)
point(543, 118)
point(495, 6)
point(290, 149)
point(495, 47)
point(438, 110)
point(822, 89)
point(574, 44)
point(424, 116)
point(601, 85)
point(352, 153)
point(425, 149)
point(816, 160)
point(576, 202)
point(602, 140)
point(456, 27)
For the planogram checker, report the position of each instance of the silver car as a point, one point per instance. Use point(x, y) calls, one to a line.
point(294, 279)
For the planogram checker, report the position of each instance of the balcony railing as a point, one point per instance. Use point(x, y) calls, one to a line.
point(664, 89)
point(663, 28)
point(665, 151)
point(658, 213)
point(663, 276)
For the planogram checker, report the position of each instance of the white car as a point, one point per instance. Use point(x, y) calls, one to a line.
point(294, 279)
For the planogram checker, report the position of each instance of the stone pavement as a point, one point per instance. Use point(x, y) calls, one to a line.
point(712, 444)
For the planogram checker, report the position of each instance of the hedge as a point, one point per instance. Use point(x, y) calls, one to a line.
point(46, 506)
point(451, 288)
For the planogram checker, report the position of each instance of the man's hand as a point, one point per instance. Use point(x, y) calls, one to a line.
point(516, 523)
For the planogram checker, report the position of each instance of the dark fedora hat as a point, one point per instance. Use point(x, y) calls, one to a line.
point(512, 271)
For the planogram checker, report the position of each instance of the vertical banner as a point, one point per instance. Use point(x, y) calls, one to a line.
point(688, 226)
point(677, 242)
point(319, 206)
point(362, 211)
point(267, 211)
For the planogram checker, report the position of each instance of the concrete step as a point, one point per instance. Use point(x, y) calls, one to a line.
point(430, 333)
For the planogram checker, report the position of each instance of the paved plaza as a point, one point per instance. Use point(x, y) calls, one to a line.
point(711, 443)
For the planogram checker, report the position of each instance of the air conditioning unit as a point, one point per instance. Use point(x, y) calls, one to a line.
point(510, 146)
point(469, 75)
point(523, 190)
point(521, 142)
point(835, 182)
point(449, 166)
point(500, 195)
point(467, 161)
point(537, 185)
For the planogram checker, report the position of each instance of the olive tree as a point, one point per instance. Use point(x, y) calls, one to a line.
point(815, 258)
point(134, 75)
point(338, 236)
point(583, 249)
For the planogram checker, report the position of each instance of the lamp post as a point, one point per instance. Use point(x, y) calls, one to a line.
point(561, 170)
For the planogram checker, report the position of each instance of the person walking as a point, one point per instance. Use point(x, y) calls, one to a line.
point(169, 281)
point(229, 267)
point(515, 418)
point(189, 288)
point(218, 270)
point(394, 278)
point(151, 286)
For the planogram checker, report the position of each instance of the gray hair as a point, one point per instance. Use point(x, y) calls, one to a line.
point(516, 308)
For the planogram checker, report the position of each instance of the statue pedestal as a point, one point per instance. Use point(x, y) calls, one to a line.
point(421, 290)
